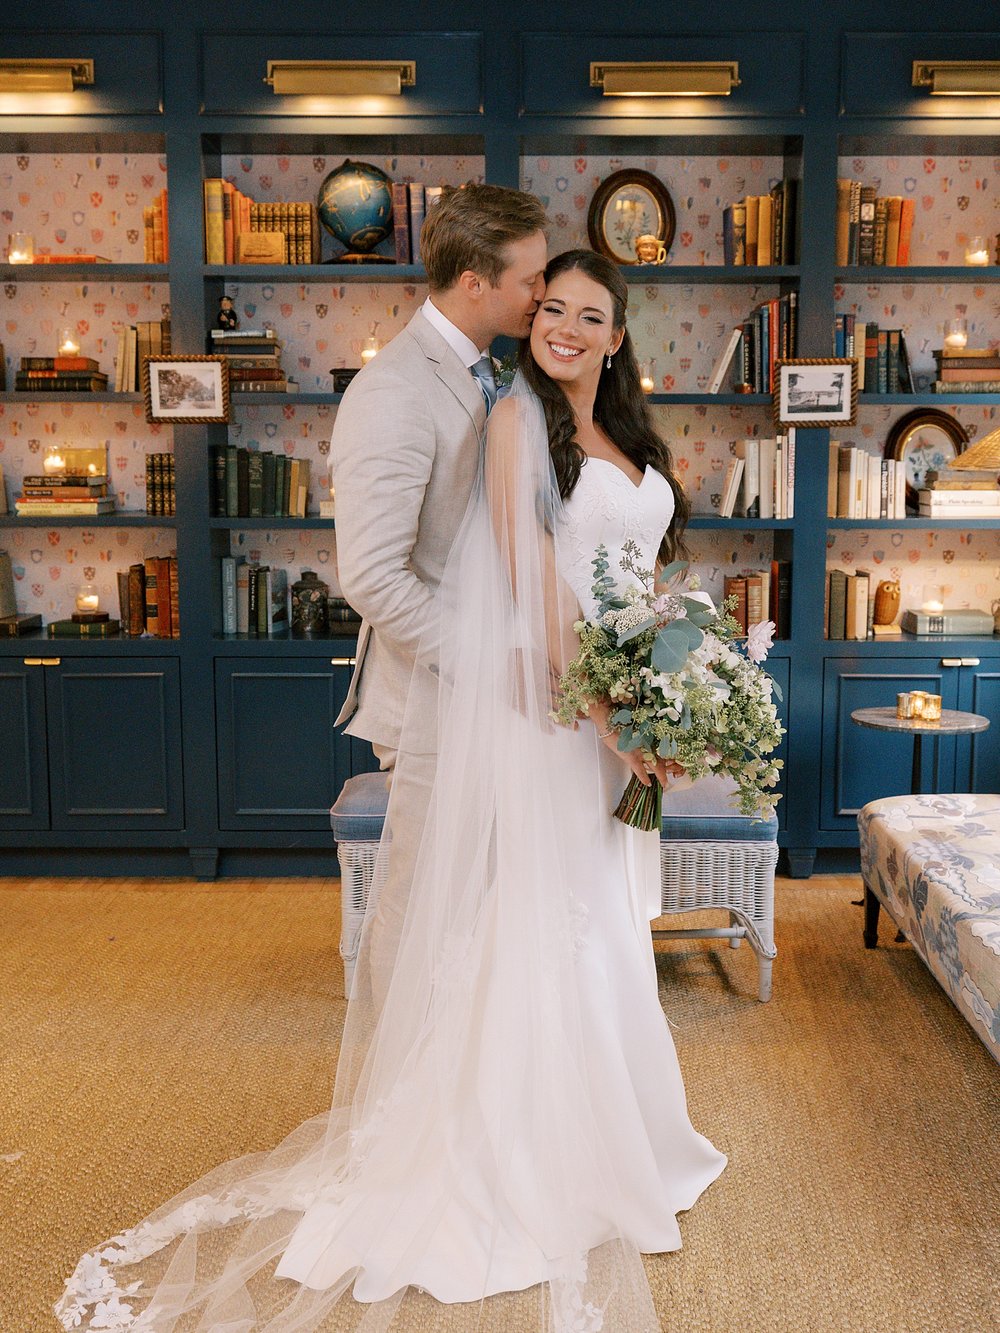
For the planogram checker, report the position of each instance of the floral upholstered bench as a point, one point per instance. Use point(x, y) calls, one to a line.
point(934, 863)
point(711, 856)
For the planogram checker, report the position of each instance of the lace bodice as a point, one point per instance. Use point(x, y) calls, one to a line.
point(608, 508)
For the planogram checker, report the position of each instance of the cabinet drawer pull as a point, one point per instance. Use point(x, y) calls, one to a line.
point(951, 661)
point(970, 661)
point(343, 661)
point(32, 661)
point(51, 661)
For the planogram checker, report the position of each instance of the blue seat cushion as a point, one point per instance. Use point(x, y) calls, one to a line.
point(358, 813)
point(701, 812)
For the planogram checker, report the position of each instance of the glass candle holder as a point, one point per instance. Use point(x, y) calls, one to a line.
point(977, 252)
point(88, 598)
point(647, 375)
point(54, 462)
point(933, 602)
point(932, 708)
point(371, 346)
point(956, 334)
point(69, 343)
point(20, 248)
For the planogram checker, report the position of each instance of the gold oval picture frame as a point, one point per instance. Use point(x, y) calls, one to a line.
point(630, 204)
point(921, 440)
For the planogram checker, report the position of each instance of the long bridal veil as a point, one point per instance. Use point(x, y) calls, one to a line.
point(464, 1154)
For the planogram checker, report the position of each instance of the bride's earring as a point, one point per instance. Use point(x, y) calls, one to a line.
point(609, 360)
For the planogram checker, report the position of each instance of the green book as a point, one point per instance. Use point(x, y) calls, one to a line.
point(267, 502)
point(255, 484)
point(232, 483)
point(280, 468)
point(84, 629)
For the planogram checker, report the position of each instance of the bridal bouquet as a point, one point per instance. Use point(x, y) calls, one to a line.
point(687, 683)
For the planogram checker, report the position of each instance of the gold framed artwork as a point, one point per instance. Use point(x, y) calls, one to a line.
point(820, 392)
point(923, 440)
point(632, 206)
point(186, 389)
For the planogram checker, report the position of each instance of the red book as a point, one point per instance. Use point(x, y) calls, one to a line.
point(163, 630)
point(71, 259)
point(906, 212)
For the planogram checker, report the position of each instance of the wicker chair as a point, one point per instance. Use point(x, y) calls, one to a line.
point(710, 857)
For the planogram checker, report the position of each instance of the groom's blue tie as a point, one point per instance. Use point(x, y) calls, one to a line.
point(483, 374)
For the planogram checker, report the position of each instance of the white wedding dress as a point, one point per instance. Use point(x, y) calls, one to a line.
point(513, 1113)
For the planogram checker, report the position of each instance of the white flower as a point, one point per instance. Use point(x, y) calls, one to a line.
point(760, 639)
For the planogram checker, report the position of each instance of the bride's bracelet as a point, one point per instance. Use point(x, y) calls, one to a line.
point(603, 735)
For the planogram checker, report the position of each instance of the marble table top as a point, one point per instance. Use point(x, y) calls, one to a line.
point(952, 721)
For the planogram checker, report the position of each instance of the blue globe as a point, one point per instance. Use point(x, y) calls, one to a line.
point(355, 205)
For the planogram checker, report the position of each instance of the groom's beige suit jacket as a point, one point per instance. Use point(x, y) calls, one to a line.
point(405, 453)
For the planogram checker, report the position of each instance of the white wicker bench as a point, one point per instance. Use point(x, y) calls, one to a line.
point(710, 857)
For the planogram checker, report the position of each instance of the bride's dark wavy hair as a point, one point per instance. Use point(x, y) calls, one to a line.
point(620, 408)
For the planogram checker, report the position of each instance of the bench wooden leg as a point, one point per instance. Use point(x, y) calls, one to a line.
point(872, 906)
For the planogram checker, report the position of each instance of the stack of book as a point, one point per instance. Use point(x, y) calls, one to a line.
point(862, 485)
point(881, 355)
point(967, 370)
point(760, 479)
point(150, 337)
point(340, 612)
point(235, 226)
point(65, 495)
point(961, 493)
point(60, 374)
point(760, 229)
point(160, 484)
point(769, 334)
point(256, 483)
point(850, 605)
point(411, 202)
point(750, 592)
point(155, 235)
point(254, 360)
point(161, 614)
point(254, 598)
point(872, 229)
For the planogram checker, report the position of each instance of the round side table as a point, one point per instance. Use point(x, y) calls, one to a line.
point(952, 723)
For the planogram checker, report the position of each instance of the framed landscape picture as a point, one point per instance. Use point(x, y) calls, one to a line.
point(816, 392)
point(186, 389)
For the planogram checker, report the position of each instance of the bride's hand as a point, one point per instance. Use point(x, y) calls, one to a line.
point(600, 714)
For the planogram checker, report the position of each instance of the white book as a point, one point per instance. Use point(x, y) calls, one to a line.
point(722, 365)
point(959, 499)
point(874, 486)
point(790, 473)
point(899, 473)
point(859, 508)
point(731, 487)
point(120, 361)
point(767, 459)
point(749, 451)
point(779, 478)
point(959, 511)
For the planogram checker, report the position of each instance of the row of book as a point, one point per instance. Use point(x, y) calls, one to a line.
point(759, 480)
point(236, 227)
point(760, 229)
point(256, 483)
point(850, 604)
point(768, 335)
point(411, 202)
point(862, 485)
point(881, 355)
point(60, 374)
point(872, 229)
point(148, 598)
point(155, 231)
point(161, 491)
point(253, 358)
point(148, 337)
point(65, 495)
point(759, 595)
point(967, 370)
point(960, 493)
point(254, 597)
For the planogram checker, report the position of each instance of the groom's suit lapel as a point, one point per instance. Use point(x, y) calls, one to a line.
point(450, 370)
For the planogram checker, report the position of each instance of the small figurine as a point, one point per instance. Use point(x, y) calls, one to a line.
point(649, 249)
point(227, 317)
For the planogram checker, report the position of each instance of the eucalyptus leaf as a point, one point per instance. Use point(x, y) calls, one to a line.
point(633, 633)
point(670, 570)
point(691, 633)
point(670, 652)
point(621, 717)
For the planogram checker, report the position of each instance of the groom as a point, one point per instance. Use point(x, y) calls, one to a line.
point(405, 453)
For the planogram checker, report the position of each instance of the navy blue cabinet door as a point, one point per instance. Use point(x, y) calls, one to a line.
point(281, 761)
point(860, 765)
point(977, 758)
point(24, 785)
point(114, 743)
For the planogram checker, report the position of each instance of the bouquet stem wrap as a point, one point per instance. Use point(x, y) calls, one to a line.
point(641, 807)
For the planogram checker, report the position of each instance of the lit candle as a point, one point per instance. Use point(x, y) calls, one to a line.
point(371, 347)
point(88, 599)
point(956, 334)
point(53, 463)
point(69, 343)
point(932, 607)
point(20, 248)
point(976, 252)
point(647, 376)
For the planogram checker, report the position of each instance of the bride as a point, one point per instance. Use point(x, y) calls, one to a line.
point(509, 1112)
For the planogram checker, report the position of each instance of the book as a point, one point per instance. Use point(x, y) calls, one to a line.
point(65, 508)
point(8, 604)
point(967, 386)
point(780, 597)
point(417, 214)
point(928, 509)
point(836, 624)
point(276, 604)
point(866, 226)
point(987, 371)
point(734, 231)
point(752, 205)
point(730, 487)
point(152, 568)
point(892, 229)
point(749, 450)
point(953, 497)
point(725, 357)
point(856, 619)
point(906, 214)
point(70, 259)
point(135, 623)
point(735, 586)
point(55, 363)
point(3, 494)
point(15, 626)
point(87, 629)
point(228, 569)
